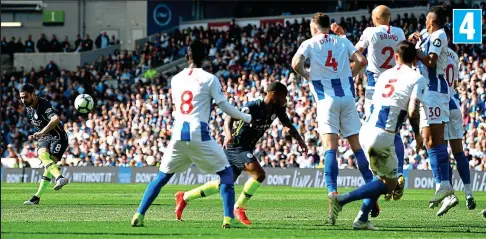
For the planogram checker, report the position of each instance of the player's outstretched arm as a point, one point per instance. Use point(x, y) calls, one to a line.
point(428, 60)
point(290, 129)
point(414, 118)
point(234, 112)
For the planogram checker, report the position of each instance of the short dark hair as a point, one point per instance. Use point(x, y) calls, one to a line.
point(27, 88)
point(321, 19)
point(277, 87)
point(198, 51)
point(406, 51)
point(440, 14)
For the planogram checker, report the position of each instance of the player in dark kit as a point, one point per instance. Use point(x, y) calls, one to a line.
point(53, 140)
point(239, 145)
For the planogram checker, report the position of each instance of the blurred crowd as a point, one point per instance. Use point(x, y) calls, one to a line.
point(43, 44)
point(131, 123)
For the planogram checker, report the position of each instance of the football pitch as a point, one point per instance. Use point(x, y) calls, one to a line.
point(104, 211)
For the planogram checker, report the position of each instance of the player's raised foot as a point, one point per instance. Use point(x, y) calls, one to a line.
point(232, 223)
point(375, 211)
point(448, 203)
point(334, 207)
point(32, 201)
point(180, 205)
point(240, 214)
point(470, 202)
point(137, 220)
point(388, 196)
point(443, 192)
point(60, 182)
point(360, 225)
point(398, 192)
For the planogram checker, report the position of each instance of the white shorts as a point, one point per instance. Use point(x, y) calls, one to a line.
point(338, 114)
point(434, 109)
point(379, 147)
point(454, 128)
point(208, 156)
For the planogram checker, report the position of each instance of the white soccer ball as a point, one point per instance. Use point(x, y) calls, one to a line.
point(84, 103)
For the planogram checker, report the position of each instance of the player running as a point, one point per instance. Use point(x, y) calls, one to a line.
point(193, 90)
point(453, 133)
point(239, 145)
point(432, 44)
point(398, 93)
point(331, 83)
point(53, 140)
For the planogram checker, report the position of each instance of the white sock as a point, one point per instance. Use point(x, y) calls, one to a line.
point(468, 189)
point(437, 186)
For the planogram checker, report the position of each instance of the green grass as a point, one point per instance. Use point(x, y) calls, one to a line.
point(104, 211)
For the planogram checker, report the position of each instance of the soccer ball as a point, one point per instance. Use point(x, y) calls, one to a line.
point(84, 103)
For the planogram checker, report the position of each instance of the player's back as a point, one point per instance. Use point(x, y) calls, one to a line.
point(393, 92)
point(192, 94)
point(381, 42)
point(330, 70)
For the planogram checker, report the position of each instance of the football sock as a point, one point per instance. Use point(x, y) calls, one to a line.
point(463, 167)
point(450, 175)
point(227, 191)
point(49, 165)
point(370, 190)
point(433, 154)
point(400, 151)
point(249, 190)
point(443, 163)
point(152, 191)
point(331, 170)
point(363, 166)
point(44, 182)
point(366, 207)
point(204, 190)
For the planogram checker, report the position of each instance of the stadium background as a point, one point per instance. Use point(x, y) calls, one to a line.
point(128, 72)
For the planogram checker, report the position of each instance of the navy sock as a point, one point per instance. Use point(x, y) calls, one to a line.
point(463, 167)
point(363, 166)
point(400, 151)
point(227, 191)
point(331, 170)
point(433, 154)
point(152, 191)
point(450, 175)
point(370, 190)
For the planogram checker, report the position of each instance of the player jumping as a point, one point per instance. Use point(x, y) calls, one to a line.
point(453, 133)
point(381, 42)
point(432, 44)
point(398, 92)
point(239, 145)
point(53, 140)
point(331, 83)
point(193, 90)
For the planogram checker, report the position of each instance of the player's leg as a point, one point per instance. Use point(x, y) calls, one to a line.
point(209, 188)
point(400, 152)
point(57, 149)
point(329, 115)
point(455, 133)
point(383, 161)
point(174, 160)
point(44, 183)
point(433, 115)
point(209, 157)
point(251, 186)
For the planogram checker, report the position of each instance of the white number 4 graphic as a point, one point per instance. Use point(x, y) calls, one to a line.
point(467, 26)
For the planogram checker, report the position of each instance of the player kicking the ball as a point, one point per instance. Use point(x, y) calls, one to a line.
point(239, 145)
point(53, 140)
point(193, 90)
point(398, 93)
point(331, 82)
